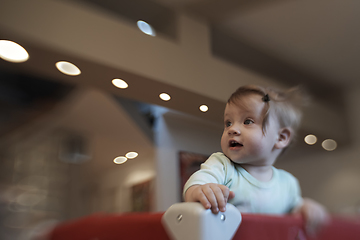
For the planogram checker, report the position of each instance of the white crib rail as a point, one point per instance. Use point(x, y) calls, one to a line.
point(191, 221)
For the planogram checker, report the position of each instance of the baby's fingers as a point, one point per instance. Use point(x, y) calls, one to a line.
point(211, 198)
point(226, 194)
point(202, 198)
point(219, 198)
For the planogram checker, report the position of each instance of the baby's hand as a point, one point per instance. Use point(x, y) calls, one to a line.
point(210, 195)
point(315, 215)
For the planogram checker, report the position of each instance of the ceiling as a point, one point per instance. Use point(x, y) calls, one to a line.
point(320, 38)
point(312, 43)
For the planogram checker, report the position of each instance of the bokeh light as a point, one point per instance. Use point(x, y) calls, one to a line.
point(13, 52)
point(131, 155)
point(204, 108)
point(165, 96)
point(310, 139)
point(68, 68)
point(120, 160)
point(329, 145)
point(119, 83)
point(146, 28)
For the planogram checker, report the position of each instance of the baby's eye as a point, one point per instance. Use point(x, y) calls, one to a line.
point(248, 121)
point(228, 124)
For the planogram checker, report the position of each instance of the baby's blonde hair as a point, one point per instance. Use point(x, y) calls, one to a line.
point(285, 105)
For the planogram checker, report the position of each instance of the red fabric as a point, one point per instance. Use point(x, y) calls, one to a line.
point(292, 228)
point(139, 226)
point(265, 227)
point(112, 227)
point(341, 228)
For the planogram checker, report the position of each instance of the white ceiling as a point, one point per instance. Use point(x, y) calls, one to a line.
point(321, 37)
point(313, 43)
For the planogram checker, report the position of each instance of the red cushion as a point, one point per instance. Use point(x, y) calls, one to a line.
point(139, 226)
point(110, 227)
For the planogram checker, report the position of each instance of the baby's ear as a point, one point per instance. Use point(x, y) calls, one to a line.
point(284, 138)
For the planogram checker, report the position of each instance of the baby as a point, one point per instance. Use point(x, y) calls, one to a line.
point(259, 124)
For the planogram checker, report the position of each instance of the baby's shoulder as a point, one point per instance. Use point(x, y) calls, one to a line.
point(220, 157)
point(285, 175)
point(218, 160)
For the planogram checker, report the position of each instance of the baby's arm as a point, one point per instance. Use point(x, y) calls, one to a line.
point(315, 215)
point(210, 195)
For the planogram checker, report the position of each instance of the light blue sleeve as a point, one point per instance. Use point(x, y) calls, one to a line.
point(297, 200)
point(213, 170)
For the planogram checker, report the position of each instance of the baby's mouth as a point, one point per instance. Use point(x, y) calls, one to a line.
point(234, 143)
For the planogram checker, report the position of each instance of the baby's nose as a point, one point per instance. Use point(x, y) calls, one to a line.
point(234, 131)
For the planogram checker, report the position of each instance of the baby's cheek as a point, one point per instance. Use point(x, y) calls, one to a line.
point(223, 143)
point(259, 148)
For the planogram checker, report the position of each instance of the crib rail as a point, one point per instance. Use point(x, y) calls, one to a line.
point(140, 226)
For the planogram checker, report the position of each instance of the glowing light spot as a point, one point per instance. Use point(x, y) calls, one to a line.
point(310, 139)
point(131, 155)
point(29, 199)
point(165, 96)
point(13, 52)
point(204, 108)
point(329, 145)
point(119, 83)
point(68, 68)
point(120, 160)
point(146, 28)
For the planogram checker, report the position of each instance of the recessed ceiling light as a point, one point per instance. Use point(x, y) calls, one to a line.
point(120, 160)
point(310, 139)
point(329, 145)
point(131, 155)
point(146, 28)
point(119, 83)
point(68, 68)
point(165, 96)
point(204, 108)
point(12, 52)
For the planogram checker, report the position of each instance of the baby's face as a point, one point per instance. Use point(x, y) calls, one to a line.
point(243, 140)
